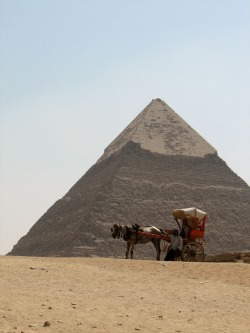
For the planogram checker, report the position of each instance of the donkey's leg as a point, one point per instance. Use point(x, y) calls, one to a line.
point(157, 245)
point(159, 249)
point(128, 248)
point(132, 249)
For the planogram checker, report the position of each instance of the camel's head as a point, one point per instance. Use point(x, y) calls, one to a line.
point(116, 230)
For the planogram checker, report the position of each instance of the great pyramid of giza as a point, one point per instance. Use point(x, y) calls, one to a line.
point(157, 164)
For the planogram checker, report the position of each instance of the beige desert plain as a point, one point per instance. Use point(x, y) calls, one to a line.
point(116, 295)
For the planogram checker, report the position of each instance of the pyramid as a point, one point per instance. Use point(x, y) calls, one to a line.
point(157, 164)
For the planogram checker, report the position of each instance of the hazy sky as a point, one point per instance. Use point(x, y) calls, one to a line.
point(75, 73)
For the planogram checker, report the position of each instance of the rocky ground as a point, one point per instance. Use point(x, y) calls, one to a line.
point(229, 257)
point(76, 295)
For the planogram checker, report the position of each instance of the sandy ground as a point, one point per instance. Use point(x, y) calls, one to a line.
point(114, 295)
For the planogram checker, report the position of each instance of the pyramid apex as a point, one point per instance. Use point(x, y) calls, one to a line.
point(159, 129)
point(157, 100)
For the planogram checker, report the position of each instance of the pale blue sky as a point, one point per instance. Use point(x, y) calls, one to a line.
point(75, 73)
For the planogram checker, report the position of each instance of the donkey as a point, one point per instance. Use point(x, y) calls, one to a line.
point(131, 234)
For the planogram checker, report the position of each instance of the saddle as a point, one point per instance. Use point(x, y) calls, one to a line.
point(135, 227)
point(130, 229)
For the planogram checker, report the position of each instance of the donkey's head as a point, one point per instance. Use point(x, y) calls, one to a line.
point(116, 230)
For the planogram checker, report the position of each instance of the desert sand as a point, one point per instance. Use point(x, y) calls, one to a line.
point(117, 295)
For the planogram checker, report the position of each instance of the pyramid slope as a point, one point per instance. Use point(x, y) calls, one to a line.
point(160, 130)
point(137, 186)
point(131, 184)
